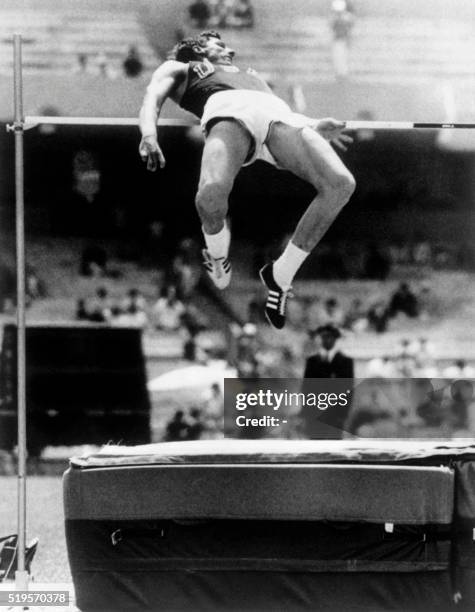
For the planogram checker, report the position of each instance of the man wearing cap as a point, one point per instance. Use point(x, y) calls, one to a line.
point(327, 363)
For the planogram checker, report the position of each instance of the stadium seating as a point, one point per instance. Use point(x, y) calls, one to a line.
point(292, 40)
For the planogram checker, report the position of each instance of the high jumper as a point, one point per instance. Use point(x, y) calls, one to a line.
point(243, 121)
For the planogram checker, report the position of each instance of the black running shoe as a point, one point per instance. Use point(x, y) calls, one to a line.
point(276, 298)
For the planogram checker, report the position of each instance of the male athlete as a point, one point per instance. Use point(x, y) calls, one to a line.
point(243, 121)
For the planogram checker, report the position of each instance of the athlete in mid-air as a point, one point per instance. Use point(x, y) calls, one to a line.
point(243, 120)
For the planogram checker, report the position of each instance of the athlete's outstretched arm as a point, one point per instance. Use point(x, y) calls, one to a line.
point(163, 83)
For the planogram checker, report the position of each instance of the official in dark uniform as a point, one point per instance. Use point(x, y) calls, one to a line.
point(327, 371)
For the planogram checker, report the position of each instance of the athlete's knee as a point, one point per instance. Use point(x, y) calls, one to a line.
point(346, 184)
point(212, 198)
point(341, 183)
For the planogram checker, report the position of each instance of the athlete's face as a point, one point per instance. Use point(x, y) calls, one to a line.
point(218, 53)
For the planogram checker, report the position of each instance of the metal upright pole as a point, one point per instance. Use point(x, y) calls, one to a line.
point(21, 575)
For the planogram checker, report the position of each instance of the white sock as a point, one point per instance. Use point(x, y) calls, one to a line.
point(285, 268)
point(218, 244)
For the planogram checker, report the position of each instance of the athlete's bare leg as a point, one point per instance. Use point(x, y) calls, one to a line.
point(226, 148)
point(310, 157)
point(225, 151)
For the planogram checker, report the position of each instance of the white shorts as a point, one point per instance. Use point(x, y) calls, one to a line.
point(255, 111)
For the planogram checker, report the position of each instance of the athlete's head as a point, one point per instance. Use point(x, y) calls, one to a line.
point(207, 45)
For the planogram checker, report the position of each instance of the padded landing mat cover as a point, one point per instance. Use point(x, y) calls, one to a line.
point(253, 480)
point(364, 493)
point(281, 451)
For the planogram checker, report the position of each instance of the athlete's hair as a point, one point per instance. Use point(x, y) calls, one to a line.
point(185, 51)
point(210, 34)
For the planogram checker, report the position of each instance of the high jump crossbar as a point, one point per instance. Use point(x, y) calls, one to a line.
point(31, 121)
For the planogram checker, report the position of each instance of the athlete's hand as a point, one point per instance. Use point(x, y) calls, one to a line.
point(150, 152)
point(332, 130)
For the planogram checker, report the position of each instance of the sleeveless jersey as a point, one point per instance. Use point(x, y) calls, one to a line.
point(205, 79)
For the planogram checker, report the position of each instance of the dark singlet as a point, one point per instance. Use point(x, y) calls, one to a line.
point(205, 79)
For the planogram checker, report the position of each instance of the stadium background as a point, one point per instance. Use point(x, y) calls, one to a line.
point(89, 197)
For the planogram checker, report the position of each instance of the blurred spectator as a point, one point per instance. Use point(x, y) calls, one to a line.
point(189, 346)
point(241, 15)
point(82, 313)
point(184, 275)
point(459, 369)
point(178, 428)
point(428, 303)
point(424, 359)
point(103, 67)
point(381, 367)
point(356, 318)
point(199, 13)
point(377, 265)
point(86, 174)
point(405, 301)
point(196, 425)
point(135, 299)
point(247, 353)
point(422, 253)
point(168, 310)
point(132, 64)
point(132, 317)
point(34, 286)
point(342, 22)
point(99, 307)
point(82, 66)
point(332, 313)
point(461, 399)
point(192, 351)
point(214, 401)
point(93, 261)
point(7, 287)
point(221, 12)
point(405, 362)
point(378, 317)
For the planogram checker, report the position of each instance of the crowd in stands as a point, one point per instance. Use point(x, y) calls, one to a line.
point(35, 288)
point(202, 421)
point(221, 14)
point(371, 315)
point(99, 64)
point(347, 260)
point(167, 313)
point(422, 407)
